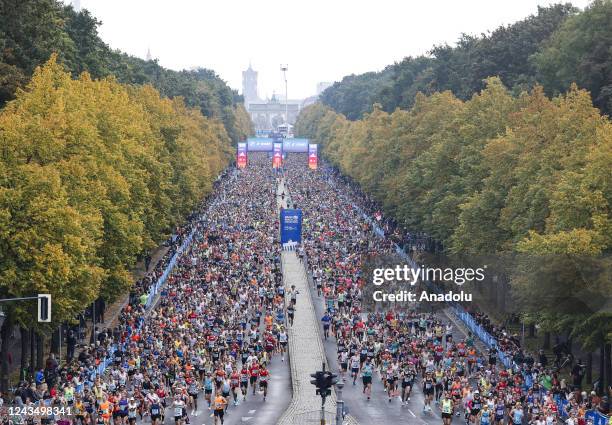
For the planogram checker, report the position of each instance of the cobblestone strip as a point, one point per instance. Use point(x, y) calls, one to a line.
point(306, 351)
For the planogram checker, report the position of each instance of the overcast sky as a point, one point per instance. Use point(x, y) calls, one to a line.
point(320, 40)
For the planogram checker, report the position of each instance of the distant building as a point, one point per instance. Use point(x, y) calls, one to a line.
point(149, 57)
point(270, 113)
point(249, 87)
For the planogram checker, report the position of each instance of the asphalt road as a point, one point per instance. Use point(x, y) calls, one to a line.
point(253, 410)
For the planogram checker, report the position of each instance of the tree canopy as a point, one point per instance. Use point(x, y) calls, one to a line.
point(93, 173)
point(30, 31)
point(555, 48)
point(496, 174)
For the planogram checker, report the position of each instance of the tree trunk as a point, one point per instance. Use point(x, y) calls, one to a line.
point(546, 345)
point(608, 366)
point(25, 345)
point(5, 337)
point(55, 337)
point(589, 368)
point(32, 353)
point(602, 369)
point(532, 330)
point(40, 350)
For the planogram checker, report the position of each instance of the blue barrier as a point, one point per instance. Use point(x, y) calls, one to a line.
point(162, 279)
point(597, 418)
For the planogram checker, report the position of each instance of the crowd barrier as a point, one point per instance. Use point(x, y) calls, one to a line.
point(162, 279)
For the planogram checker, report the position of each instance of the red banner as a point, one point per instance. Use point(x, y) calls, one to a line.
point(241, 155)
point(277, 155)
point(312, 156)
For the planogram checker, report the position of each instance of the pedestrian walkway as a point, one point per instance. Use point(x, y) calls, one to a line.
point(306, 351)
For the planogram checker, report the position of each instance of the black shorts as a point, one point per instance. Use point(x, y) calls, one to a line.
point(446, 415)
point(219, 412)
point(406, 384)
point(428, 391)
point(244, 384)
point(366, 380)
point(208, 391)
point(155, 417)
point(474, 412)
point(263, 384)
point(283, 343)
point(253, 379)
point(344, 366)
point(354, 369)
point(225, 395)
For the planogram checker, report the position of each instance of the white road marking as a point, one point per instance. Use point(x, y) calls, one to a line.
point(252, 411)
point(413, 415)
point(246, 418)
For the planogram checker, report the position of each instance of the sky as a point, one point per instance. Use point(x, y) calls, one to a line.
point(319, 40)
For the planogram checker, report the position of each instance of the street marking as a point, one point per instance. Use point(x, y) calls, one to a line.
point(246, 418)
point(413, 415)
point(252, 411)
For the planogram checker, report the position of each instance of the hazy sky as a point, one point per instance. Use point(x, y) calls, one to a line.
point(320, 40)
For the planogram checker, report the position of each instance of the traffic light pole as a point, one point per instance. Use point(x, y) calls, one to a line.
point(44, 305)
point(323, 402)
point(324, 380)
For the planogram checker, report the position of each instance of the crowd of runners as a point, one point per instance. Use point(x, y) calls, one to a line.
point(219, 320)
point(407, 350)
point(222, 314)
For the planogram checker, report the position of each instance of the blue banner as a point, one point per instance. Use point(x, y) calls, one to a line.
point(295, 145)
point(291, 225)
point(260, 144)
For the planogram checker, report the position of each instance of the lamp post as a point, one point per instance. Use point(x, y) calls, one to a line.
point(339, 403)
point(285, 68)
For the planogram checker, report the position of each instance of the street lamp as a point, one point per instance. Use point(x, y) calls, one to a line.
point(285, 68)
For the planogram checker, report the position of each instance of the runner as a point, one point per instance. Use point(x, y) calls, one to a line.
point(220, 405)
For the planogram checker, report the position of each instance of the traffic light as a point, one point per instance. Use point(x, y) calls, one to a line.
point(44, 308)
point(324, 381)
point(318, 381)
point(331, 379)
